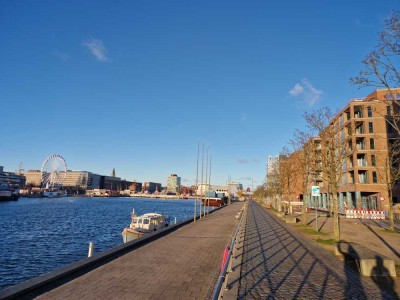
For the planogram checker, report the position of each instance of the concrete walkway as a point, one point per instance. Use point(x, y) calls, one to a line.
point(278, 263)
point(182, 265)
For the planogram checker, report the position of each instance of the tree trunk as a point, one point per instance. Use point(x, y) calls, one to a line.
point(390, 211)
point(304, 210)
point(336, 229)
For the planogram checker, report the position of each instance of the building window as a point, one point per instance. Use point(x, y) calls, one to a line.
point(374, 177)
point(361, 161)
point(358, 113)
point(389, 110)
point(360, 144)
point(360, 128)
point(362, 177)
point(369, 112)
point(373, 160)
point(370, 127)
point(372, 144)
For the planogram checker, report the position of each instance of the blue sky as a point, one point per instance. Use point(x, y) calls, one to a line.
point(133, 85)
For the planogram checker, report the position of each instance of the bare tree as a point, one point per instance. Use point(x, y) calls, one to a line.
point(260, 193)
point(302, 146)
point(334, 149)
point(274, 184)
point(380, 70)
point(388, 173)
point(289, 174)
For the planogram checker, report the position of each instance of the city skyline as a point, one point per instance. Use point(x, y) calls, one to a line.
point(134, 86)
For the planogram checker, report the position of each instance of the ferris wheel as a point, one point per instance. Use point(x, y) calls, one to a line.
point(54, 171)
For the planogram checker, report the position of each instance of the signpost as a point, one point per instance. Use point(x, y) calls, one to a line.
point(315, 192)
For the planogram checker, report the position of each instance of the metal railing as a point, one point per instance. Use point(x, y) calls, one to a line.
point(226, 259)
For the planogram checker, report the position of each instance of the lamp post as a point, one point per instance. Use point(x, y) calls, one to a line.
point(315, 204)
point(197, 188)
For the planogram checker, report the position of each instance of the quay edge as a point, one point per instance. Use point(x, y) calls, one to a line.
point(48, 281)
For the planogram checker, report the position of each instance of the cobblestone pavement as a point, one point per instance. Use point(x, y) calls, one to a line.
point(279, 264)
point(182, 265)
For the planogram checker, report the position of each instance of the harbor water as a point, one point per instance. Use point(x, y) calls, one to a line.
point(39, 235)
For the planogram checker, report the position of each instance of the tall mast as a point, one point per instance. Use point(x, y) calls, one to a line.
point(197, 188)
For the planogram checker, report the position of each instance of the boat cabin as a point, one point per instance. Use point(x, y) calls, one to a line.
point(148, 222)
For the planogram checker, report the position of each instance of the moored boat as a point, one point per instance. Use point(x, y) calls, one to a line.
point(214, 201)
point(144, 224)
point(54, 193)
point(8, 193)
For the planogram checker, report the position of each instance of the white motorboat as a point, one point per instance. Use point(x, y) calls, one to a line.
point(144, 224)
point(54, 193)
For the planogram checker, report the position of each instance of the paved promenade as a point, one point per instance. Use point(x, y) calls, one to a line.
point(182, 265)
point(279, 264)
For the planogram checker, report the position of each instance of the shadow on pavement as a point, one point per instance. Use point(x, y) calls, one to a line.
point(277, 263)
point(380, 275)
point(383, 241)
point(353, 276)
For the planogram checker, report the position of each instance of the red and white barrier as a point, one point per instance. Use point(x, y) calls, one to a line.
point(365, 214)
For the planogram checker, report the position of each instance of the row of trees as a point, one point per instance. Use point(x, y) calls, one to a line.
point(306, 165)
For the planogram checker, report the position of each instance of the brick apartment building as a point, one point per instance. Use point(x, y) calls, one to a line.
point(362, 125)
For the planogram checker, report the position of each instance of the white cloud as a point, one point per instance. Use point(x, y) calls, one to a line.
point(296, 90)
point(306, 91)
point(97, 48)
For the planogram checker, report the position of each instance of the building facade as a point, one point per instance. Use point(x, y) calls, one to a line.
point(151, 187)
point(365, 137)
point(173, 184)
point(11, 179)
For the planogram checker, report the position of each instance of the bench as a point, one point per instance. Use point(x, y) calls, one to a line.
point(370, 263)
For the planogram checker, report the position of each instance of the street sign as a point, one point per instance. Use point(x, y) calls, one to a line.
point(315, 191)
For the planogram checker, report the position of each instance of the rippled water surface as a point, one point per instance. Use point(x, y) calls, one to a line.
point(39, 235)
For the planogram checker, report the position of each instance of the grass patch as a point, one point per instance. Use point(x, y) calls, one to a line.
point(390, 232)
point(309, 230)
point(326, 242)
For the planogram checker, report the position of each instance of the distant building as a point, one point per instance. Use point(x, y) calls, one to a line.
point(230, 189)
point(234, 188)
point(12, 179)
point(81, 180)
point(173, 184)
point(135, 187)
point(33, 178)
point(151, 187)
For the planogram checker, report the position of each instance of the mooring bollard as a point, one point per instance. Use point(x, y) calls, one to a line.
point(91, 247)
point(175, 220)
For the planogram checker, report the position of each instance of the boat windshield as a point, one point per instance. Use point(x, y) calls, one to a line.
point(146, 221)
point(135, 221)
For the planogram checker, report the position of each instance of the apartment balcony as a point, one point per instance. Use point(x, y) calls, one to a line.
point(362, 163)
point(361, 147)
